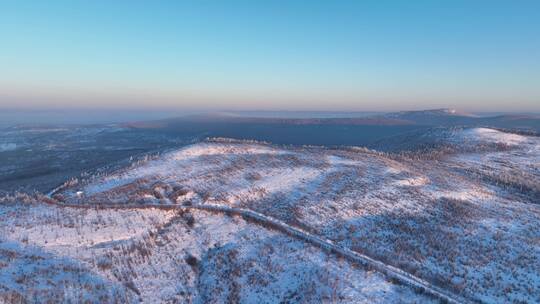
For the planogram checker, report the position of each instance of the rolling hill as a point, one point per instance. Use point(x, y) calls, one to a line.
point(267, 223)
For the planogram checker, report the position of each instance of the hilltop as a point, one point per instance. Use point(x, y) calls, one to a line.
point(463, 221)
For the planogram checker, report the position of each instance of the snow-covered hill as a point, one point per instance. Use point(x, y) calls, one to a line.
point(455, 118)
point(465, 221)
point(60, 254)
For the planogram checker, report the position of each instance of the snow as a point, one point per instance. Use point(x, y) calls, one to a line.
point(492, 136)
point(466, 222)
point(145, 260)
point(209, 149)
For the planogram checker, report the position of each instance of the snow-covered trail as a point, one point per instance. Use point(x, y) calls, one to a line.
point(267, 221)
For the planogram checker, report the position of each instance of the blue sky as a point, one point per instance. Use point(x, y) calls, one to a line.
point(270, 55)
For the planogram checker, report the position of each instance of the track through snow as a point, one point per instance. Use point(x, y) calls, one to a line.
point(388, 270)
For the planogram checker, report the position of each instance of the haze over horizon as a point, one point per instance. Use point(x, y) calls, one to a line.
point(274, 56)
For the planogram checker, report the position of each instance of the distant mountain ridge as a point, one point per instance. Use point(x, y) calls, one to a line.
point(432, 117)
point(432, 112)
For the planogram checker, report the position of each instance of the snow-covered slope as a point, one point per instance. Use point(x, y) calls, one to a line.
point(60, 254)
point(465, 221)
point(492, 136)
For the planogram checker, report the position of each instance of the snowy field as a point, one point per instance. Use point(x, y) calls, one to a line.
point(465, 220)
point(102, 256)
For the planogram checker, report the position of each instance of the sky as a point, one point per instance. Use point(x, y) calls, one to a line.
point(270, 55)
